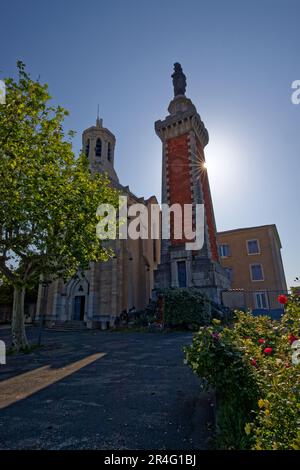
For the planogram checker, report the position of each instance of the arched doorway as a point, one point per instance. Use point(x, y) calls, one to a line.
point(79, 307)
point(78, 294)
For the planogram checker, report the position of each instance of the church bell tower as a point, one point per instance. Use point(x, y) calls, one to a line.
point(99, 146)
point(185, 181)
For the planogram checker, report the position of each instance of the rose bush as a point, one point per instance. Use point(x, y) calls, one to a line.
point(249, 364)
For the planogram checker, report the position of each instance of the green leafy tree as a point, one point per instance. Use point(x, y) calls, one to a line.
point(48, 198)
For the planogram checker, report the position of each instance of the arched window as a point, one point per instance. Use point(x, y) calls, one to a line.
point(98, 148)
point(109, 151)
point(87, 148)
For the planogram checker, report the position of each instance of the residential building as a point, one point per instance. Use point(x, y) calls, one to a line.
point(252, 259)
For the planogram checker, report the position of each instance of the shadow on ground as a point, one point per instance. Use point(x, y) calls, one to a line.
point(110, 391)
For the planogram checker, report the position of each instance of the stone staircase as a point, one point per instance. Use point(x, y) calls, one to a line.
point(68, 326)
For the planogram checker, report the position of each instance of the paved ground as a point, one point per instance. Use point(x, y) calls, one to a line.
point(103, 390)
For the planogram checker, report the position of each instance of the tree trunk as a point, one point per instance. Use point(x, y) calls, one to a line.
point(19, 339)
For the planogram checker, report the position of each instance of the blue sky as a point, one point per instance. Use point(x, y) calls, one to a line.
point(240, 58)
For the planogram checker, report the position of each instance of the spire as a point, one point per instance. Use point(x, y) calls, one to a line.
point(98, 120)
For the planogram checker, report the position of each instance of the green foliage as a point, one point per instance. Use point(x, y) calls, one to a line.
point(184, 307)
point(257, 385)
point(295, 290)
point(48, 198)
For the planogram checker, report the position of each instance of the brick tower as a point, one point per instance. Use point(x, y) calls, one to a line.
point(185, 181)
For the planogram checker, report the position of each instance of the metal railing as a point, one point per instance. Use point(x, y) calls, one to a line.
point(259, 302)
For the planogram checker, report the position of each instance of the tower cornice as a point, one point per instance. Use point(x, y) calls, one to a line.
point(183, 118)
point(99, 130)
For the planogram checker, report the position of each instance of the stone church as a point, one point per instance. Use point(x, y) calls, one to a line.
point(139, 266)
point(124, 282)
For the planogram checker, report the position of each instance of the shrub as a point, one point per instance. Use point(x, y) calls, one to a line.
point(184, 307)
point(257, 385)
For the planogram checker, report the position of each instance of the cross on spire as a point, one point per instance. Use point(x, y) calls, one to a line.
point(98, 120)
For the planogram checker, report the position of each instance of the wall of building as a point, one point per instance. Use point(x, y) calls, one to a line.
point(123, 282)
point(239, 261)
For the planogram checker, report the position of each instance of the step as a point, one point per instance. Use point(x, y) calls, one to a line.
point(68, 326)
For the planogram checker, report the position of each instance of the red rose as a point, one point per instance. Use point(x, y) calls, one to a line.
point(253, 363)
point(292, 338)
point(268, 350)
point(261, 340)
point(282, 299)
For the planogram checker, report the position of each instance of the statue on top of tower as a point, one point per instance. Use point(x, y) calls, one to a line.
point(179, 80)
